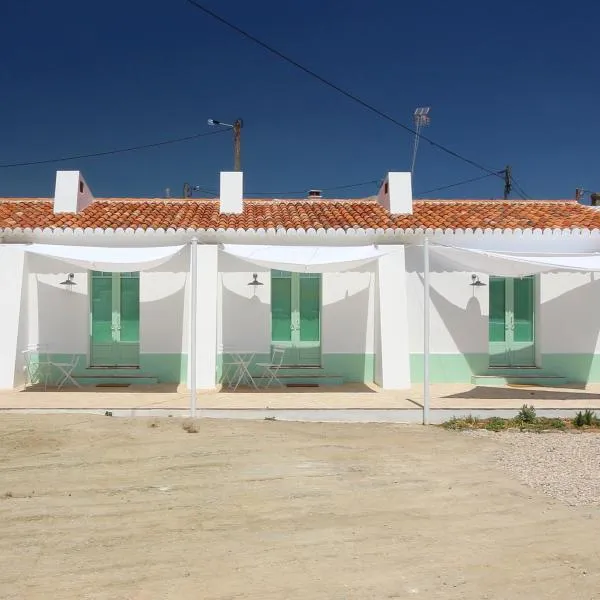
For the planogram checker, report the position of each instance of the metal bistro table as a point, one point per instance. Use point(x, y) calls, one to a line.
point(237, 370)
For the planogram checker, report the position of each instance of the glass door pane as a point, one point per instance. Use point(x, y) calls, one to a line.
point(310, 309)
point(101, 308)
point(523, 309)
point(497, 320)
point(281, 307)
point(130, 308)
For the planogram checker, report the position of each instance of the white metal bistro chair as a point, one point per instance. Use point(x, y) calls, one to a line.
point(66, 372)
point(37, 366)
point(271, 370)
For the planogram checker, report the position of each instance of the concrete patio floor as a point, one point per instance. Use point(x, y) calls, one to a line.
point(356, 401)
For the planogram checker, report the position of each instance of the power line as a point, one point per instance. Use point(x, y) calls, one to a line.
point(327, 189)
point(337, 88)
point(213, 191)
point(463, 182)
point(520, 190)
point(108, 152)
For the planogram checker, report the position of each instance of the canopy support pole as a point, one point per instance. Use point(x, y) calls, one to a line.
point(193, 314)
point(426, 330)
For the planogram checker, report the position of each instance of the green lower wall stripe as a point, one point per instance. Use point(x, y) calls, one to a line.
point(459, 368)
point(352, 368)
point(448, 368)
point(172, 368)
point(444, 368)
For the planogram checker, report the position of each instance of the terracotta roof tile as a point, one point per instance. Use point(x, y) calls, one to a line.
point(294, 214)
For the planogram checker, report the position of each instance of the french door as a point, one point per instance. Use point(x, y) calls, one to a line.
point(296, 316)
point(512, 322)
point(115, 319)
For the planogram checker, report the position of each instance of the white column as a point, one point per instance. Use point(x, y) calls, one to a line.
point(392, 366)
point(205, 367)
point(426, 332)
point(13, 304)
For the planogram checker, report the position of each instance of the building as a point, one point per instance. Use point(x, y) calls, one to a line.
point(339, 283)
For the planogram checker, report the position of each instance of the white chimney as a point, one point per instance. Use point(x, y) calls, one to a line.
point(231, 200)
point(71, 193)
point(395, 194)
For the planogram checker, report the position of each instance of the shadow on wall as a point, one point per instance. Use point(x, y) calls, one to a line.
point(162, 320)
point(344, 337)
point(63, 329)
point(575, 315)
point(62, 319)
point(467, 327)
point(246, 322)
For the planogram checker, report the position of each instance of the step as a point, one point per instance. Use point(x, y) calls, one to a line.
point(535, 377)
point(113, 380)
point(308, 380)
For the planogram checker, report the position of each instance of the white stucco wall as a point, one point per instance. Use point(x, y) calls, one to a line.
point(347, 318)
point(163, 307)
point(392, 360)
point(59, 319)
point(458, 311)
point(13, 302)
point(245, 310)
point(567, 321)
point(569, 318)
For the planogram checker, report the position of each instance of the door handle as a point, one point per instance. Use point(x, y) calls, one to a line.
point(511, 323)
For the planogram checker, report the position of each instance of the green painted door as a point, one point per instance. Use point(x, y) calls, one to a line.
point(296, 316)
point(115, 319)
point(512, 322)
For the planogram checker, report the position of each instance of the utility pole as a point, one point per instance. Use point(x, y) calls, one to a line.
point(507, 182)
point(237, 144)
point(236, 127)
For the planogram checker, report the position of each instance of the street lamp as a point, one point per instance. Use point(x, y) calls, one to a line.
point(236, 127)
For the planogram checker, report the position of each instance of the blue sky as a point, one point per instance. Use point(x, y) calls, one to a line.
point(511, 83)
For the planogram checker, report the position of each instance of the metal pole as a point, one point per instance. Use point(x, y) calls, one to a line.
point(237, 144)
point(426, 327)
point(193, 313)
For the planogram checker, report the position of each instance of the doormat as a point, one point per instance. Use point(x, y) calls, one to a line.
point(113, 385)
point(301, 385)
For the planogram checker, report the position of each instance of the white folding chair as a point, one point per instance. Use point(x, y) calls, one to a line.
point(66, 369)
point(36, 365)
point(270, 370)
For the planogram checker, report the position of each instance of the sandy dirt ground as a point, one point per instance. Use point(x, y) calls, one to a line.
point(99, 507)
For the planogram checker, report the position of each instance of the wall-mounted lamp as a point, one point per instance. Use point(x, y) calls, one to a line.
point(255, 280)
point(69, 282)
point(475, 282)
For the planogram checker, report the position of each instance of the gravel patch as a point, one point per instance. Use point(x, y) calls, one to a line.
point(563, 465)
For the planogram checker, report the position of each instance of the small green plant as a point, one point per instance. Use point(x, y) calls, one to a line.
point(589, 417)
point(579, 420)
point(459, 424)
point(496, 424)
point(471, 420)
point(557, 424)
point(526, 414)
point(189, 427)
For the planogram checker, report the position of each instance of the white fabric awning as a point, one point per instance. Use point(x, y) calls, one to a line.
point(107, 259)
point(508, 264)
point(306, 259)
